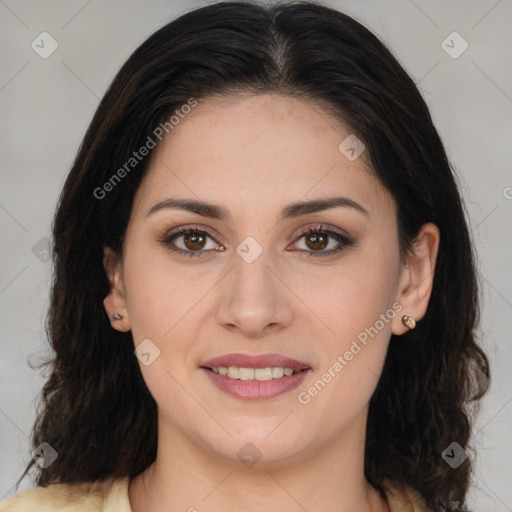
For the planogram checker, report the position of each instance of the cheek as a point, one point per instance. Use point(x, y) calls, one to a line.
point(350, 295)
point(155, 295)
point(350, 367)
point(356, 303)
point(160, 300)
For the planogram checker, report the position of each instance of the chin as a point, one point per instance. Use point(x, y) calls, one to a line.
point(257, 446)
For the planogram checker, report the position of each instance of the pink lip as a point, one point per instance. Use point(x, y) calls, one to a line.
point(256, 361)
point(255, 389)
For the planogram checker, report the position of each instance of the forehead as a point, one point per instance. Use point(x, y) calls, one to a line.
point(259, 149)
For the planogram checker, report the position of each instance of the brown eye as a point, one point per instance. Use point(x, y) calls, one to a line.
point(194, 241)
point(317, 241)
point(190, 241)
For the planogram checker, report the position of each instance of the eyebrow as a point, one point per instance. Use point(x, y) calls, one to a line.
point(291, 211)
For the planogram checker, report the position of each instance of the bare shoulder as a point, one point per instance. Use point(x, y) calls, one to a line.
point(62, 497)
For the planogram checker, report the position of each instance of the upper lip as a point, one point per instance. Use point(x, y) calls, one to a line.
point(256, 361)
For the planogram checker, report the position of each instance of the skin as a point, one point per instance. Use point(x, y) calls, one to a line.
point(253, 155)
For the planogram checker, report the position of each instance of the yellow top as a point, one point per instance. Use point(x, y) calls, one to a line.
point(111, 495)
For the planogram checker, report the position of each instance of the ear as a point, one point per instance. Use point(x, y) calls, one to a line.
point(417, 277)
point(115, 301)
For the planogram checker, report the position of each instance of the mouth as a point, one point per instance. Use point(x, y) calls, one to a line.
point(260, 374)
point(259, 366)
point(255, 377)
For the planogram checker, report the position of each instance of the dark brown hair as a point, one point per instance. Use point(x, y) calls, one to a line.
point(95, 409)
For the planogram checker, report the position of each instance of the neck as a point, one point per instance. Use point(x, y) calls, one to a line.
point(188, 477)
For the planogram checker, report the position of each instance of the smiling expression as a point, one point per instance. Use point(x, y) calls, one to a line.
point(252, 233)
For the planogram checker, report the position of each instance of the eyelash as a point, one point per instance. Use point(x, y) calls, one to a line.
point(344, 240)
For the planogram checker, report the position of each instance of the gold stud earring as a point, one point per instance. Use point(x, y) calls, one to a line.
point(409, 321)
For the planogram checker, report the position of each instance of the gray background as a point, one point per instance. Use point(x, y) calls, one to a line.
point(47, 104)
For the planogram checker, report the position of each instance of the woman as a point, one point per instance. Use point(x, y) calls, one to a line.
point(265, 294)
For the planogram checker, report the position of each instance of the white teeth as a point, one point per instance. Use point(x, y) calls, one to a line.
point(234, 372)
point(268, 373)
point(245, 373)
point(277, 372)
point(263, 374)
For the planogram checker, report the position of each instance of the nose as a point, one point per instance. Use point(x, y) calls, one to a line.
point(254, 300)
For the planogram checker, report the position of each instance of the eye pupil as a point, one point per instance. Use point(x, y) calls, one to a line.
point(316, 243)
point(193, 237)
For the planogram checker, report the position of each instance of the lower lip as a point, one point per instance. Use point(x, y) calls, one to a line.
point(256, 389)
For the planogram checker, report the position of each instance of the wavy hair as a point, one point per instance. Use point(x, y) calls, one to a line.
point(95, 409)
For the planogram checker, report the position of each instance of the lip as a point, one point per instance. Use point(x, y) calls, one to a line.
point(256, 389)
point(256, 361)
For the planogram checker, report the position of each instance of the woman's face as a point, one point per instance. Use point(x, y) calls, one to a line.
point(252, 283)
